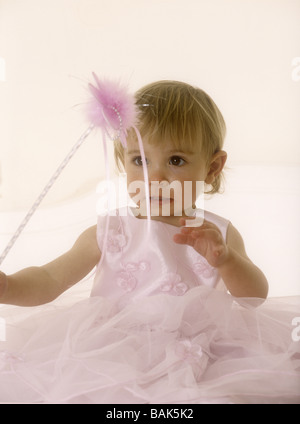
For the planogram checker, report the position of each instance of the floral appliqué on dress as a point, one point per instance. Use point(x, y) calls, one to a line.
point(126, 278)
point(190, 351)
point(202, 267)
point(173, 284)
point(187, 350)
point(115, 241)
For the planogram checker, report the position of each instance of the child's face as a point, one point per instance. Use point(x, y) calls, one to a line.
point(164, 164)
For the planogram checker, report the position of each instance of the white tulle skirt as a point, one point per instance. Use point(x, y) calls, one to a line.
point(202, 347)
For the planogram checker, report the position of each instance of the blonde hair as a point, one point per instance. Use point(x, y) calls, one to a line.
point(186, 115)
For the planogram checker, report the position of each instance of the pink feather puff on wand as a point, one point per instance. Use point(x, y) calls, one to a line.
point(113, 110)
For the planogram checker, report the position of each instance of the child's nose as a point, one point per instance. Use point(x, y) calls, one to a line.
point(157, 173)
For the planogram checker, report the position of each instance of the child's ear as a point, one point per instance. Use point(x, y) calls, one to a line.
point(216, 165)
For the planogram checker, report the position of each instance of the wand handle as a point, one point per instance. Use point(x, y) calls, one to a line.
point(45, 191)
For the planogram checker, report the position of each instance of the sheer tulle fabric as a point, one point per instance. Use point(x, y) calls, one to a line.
point(158, 328)
point(202, 347)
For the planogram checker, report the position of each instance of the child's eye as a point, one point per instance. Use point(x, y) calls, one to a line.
point(176, 161)
point(138, 161)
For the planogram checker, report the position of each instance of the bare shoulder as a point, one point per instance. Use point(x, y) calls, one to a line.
point(235, 240)
point(77, 262)
point(87, 242)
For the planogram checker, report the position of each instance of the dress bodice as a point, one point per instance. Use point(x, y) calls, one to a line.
point(140, 263)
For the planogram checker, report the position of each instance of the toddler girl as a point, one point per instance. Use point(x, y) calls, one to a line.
point(177, 312)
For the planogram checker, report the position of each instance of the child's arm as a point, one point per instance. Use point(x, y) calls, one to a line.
point(241, 277)
point(37, 285)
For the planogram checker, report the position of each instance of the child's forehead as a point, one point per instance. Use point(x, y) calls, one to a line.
point(162, 143)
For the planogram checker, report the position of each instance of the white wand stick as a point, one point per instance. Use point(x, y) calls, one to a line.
point(44, 192)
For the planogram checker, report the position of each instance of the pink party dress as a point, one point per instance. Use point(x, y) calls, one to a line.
point(159, 328)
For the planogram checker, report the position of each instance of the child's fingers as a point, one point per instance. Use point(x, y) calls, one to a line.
point(186, 220)
point(195, 230)
point(183, 239)
point(186, 230)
